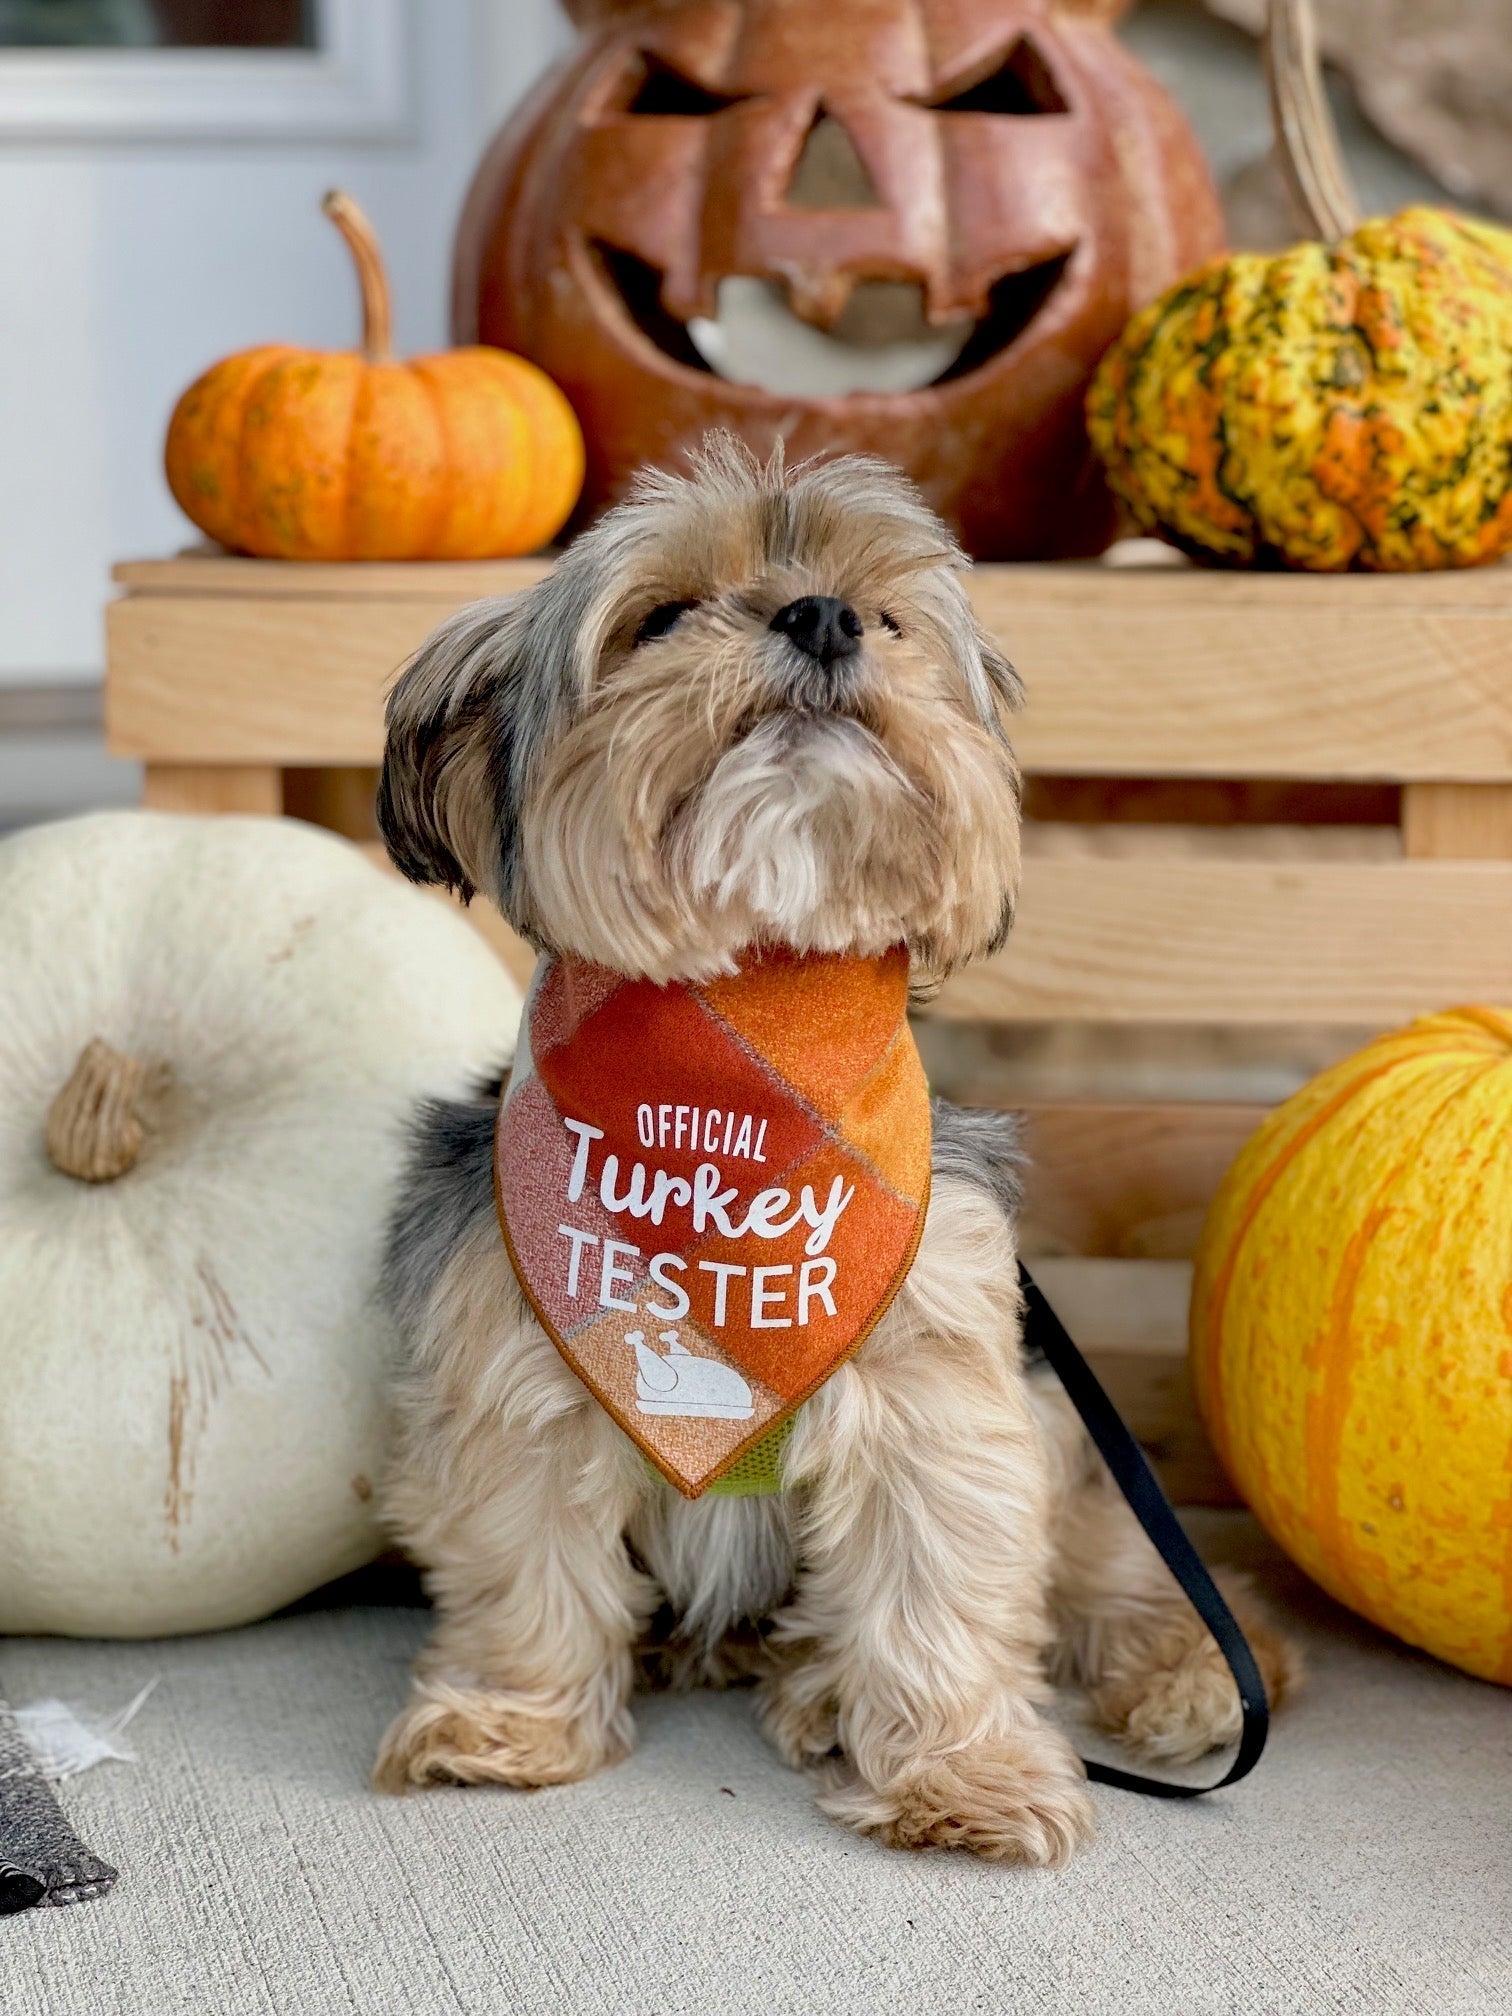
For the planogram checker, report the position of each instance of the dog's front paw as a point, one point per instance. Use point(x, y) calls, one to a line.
point(1172, 1696)
point(798, 1714)
point(454, 1735)
point(1018, 1798)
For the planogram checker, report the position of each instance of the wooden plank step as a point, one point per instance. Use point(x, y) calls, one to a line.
point(1129, 1318)
point(1139, 574)
point(1192, 941)
point(1130, 677)
point(1127, 1180)
point(211, 572)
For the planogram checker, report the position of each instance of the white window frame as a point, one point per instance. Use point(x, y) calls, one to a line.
point(354, 85)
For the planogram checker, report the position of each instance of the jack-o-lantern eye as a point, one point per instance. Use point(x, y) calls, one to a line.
point(1022, 85)
point(657, 91)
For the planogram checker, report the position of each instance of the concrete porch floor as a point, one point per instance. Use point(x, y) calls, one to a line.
point(1366, 1867)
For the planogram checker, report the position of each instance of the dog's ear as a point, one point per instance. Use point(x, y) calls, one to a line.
point(1003, 681)
point(995, 688)
point(466, 723)
point(435, 800)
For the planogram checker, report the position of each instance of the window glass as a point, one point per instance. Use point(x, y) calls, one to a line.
point(157, 24)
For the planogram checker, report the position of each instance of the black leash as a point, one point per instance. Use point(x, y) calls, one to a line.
point(1044, 1331)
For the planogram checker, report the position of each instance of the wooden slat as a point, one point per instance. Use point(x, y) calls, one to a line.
point(1194, 941)
point(1130, 1319)
point(1272, 692)
point(1457, 822)
point(207, 679)
point(212, 573)
point(1082, 585)
point(1126, 1180)
point(213, 787)
point(1116, 689)
point(1158, 579)
point(1137, 1307)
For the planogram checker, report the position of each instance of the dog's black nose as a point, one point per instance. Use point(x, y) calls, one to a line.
point(822, 625)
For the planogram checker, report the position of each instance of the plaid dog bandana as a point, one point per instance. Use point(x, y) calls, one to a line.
point(711, 1193)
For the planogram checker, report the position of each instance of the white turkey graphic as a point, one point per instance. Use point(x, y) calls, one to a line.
point(682, 1383)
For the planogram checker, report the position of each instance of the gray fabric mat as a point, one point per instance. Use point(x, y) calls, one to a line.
point(1366, 1869)
point(42, 1860)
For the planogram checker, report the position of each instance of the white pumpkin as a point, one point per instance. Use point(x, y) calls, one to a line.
point(192, 1353)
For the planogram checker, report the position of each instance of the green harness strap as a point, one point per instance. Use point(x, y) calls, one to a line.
point(757, 1474)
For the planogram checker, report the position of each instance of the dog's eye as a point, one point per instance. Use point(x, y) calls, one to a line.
point(890, 624)
point(666, 616)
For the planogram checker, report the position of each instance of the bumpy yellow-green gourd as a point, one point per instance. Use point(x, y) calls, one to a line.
point(1340, 405)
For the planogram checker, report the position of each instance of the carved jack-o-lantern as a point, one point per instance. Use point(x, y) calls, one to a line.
point(906, 226)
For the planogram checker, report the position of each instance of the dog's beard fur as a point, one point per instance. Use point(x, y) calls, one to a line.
point(671, 828)
point(672, 801)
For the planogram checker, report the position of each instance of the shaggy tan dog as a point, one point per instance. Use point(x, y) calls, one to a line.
point(753, 707)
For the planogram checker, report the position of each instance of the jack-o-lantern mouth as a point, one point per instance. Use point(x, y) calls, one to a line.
point(881, 344)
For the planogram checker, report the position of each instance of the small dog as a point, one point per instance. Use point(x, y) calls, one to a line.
point(753, 707)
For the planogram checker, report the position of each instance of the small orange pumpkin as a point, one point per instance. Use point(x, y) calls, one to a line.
point(348, 455)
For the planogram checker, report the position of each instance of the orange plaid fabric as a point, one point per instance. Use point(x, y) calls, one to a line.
point(711, 1193)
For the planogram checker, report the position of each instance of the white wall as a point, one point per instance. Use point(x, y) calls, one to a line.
point(130, 267)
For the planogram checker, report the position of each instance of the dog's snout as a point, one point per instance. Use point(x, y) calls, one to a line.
point(822, 626)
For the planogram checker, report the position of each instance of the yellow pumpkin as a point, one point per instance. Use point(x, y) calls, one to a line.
point(1346, 404)
point(1351, 1333)
point(343, 455)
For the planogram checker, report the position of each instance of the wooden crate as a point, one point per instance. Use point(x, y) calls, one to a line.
point(248, 685)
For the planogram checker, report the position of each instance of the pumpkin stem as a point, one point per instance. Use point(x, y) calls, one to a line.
point(94, 1128)
point(377, 304)
point(1307, 140)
